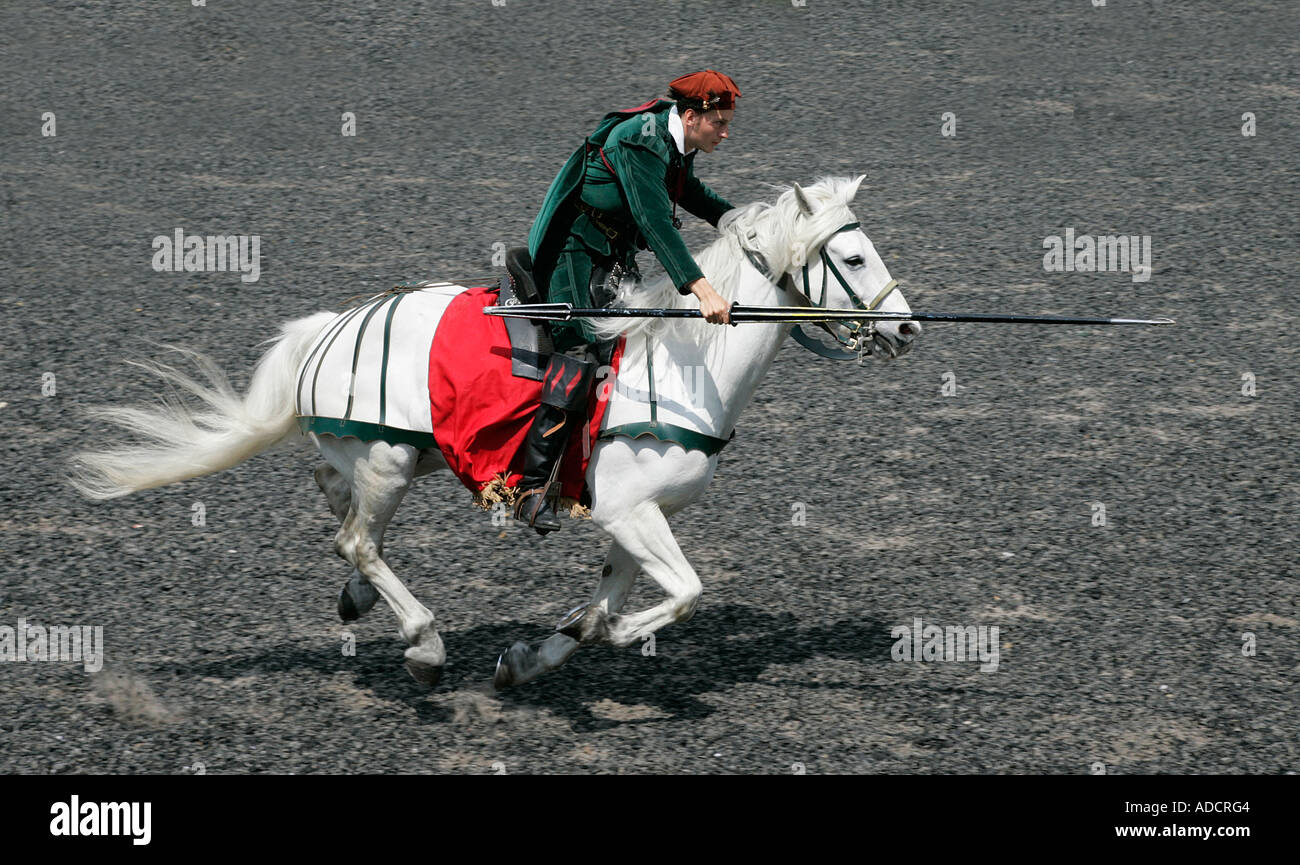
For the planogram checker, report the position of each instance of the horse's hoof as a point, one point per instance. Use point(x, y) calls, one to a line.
point(571, 624)
point(426, 674)
point(348, 611)
point(588, 625)
point(356, 599)
point(424, 660)
point(514, 666)
point(501, 675)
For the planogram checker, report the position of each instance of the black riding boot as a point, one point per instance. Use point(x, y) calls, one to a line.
point(565, 389)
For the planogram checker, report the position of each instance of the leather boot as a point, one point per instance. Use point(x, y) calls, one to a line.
point(565, 389)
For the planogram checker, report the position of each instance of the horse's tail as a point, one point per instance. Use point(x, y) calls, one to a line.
point(182, 442)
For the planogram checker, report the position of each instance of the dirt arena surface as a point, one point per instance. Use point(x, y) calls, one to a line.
point(1164, 641)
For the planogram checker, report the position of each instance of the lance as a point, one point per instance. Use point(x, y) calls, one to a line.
point(775, 314)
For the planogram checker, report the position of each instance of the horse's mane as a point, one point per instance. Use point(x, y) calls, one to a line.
point(778, 232)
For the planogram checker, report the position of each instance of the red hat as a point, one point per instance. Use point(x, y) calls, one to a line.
point(709, 88)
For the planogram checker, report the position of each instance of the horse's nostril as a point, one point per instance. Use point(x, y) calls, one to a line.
point(907, 329)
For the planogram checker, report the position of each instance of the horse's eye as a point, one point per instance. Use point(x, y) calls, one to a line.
point(855, 261)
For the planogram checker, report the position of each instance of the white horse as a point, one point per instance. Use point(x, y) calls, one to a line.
point(766, 254)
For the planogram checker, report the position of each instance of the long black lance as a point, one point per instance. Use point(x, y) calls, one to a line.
point(775, 314)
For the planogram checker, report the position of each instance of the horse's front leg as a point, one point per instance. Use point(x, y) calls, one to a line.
point(522, 663)
point(643, 534)
point(590, 623)
point(616, 579)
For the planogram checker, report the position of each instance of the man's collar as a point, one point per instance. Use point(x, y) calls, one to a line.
point(677, 131)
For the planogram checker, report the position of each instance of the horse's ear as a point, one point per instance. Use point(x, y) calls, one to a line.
point(853, 188)
point(805, 207)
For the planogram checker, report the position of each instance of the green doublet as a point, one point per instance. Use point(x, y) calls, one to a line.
point(648, 172)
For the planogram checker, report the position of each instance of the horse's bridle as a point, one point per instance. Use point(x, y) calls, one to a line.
point(860, 332)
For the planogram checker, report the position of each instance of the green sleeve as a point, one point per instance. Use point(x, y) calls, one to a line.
point(641, 171)
point(703, 202)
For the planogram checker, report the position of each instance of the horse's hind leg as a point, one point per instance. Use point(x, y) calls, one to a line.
point(380, 476)
point(357, 596)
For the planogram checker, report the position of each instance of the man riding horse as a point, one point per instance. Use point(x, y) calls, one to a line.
point(617, 193)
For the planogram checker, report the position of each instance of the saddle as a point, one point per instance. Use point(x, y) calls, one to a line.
point(530, 340)
point(481, 409)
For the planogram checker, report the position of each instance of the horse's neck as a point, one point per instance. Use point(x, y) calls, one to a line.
point(733, 367)
point(750, 348)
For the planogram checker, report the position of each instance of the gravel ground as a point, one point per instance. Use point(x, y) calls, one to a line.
point(1121, 644)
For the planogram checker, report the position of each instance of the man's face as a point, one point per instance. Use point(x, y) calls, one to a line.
point(706, 129)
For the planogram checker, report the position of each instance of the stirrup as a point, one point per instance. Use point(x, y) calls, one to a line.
point(542, 508)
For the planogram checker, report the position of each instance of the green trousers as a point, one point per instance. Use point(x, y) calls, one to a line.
point(570, 282)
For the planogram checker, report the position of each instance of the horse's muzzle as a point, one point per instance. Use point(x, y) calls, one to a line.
point(889, 342)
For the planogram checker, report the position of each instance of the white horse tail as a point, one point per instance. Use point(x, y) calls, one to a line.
point(182, 442)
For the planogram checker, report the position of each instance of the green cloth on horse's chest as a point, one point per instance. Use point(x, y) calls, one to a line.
point(647, 174)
